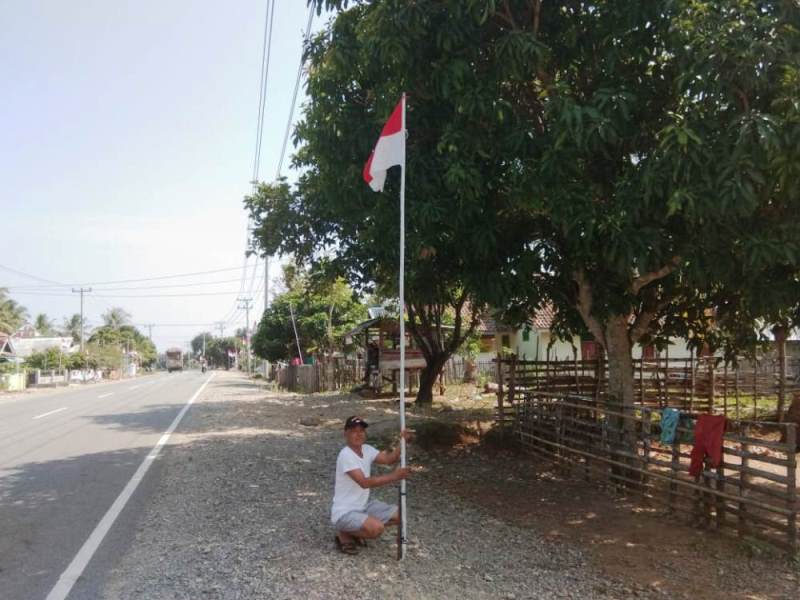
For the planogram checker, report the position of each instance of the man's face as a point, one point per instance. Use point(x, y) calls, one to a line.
point(355, 436)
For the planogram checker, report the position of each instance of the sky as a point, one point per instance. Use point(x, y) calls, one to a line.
point(127, 139)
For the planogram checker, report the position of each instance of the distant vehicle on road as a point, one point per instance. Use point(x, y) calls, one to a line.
point(174, 358)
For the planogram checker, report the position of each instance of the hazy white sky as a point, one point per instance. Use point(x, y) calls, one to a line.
point(127, 134)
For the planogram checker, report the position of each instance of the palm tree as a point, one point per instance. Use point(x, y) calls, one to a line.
point(12, 314)
point(115, 317)
point(43, 325)
point(72, 326)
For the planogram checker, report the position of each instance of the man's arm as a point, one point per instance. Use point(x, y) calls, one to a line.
point(388, 457)
point(391, 457)
point(357, 475)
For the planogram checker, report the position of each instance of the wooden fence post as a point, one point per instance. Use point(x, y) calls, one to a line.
point(512, 380)
point(725, 389)
point(720, 486)
point(646, 431)
point(755, 390)
point(712, 384)
point(674, 465)
point(743, 477)
point(692, 385)
point(500, 408)
point(641, 379)
point(791, 483)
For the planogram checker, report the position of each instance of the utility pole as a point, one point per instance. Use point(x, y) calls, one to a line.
point(149, 331)
point(266, 282)
point(81, 291)
point(221, 326)
point(204, 344)
point(246, 303)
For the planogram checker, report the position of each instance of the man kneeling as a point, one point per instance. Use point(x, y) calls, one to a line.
point(354, 516)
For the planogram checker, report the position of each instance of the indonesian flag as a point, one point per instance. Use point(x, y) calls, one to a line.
point(389, 151)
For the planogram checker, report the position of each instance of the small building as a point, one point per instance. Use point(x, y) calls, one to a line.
point(379, 340)
point(535, 341)
point(23, 347)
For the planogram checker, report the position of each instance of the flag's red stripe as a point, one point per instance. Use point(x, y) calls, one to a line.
point(395, 122)
point(368, 168)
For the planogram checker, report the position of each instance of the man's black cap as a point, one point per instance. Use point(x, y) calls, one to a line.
point(355, 421)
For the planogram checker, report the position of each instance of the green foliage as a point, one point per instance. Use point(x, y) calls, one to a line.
point(323, 311)
point(199, 340)
point(635, 163)
point(471, 346)
point(52, 358)
point(116, 317)
point(72, 327)
point(121, 338)
point(12, 314)
point(44, 325)
point(217, 350)
point(601, 142)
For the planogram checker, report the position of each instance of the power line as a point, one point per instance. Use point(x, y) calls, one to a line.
point(34, 277)
point(266, 50)
point(173, 324)
point(158, 278)
point(194, 294)
point(294, 95)
point(141, 287)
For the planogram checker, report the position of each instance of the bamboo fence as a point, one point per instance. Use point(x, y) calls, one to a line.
point(704, 385)
point(753, 491)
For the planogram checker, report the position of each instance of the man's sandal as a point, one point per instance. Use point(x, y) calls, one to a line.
point(359, 541)
point(345, 547)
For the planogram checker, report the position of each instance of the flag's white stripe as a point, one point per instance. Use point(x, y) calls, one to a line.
point(389, 151)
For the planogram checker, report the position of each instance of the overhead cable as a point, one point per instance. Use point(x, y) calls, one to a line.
point(294, 95)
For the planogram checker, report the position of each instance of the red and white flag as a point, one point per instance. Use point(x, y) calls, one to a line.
point(389, 151)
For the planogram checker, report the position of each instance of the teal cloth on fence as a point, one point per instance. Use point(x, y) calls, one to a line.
point(687, 436)
point(669, 424)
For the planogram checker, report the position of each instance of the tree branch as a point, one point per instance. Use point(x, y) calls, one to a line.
point(645, 318)
point(652, 276)
point(584, 305)
point(508, 16)
point(424, 343)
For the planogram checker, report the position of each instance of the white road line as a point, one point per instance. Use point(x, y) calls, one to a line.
point(106, 395)
point(75, 569)
point(52, 412)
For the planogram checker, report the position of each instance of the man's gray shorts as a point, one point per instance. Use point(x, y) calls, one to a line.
point(353, 520)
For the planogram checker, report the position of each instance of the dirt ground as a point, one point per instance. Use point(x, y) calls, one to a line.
point(628, 541)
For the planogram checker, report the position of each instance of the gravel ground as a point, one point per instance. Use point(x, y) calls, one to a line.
point(242, 511)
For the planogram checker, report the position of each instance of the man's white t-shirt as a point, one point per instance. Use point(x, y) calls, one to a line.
point(347, 494)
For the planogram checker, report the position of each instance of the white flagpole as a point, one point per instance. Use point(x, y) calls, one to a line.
point(403, 529)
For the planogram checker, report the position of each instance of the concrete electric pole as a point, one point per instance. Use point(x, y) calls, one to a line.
point(82, 291)
point(246, 303)
point(266, 282)
point(221, 326)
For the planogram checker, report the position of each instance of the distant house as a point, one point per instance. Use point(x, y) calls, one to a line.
point(5, 346)
point(535, 341)
point(23, 347)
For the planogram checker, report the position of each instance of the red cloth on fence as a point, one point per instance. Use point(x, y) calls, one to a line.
point(707, 442)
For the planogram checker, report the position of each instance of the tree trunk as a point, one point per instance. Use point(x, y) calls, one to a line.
point(793, 416)
point(780, 334)
point(428, 376)
point(620, 391)
point(620, 363)
point(469, 370)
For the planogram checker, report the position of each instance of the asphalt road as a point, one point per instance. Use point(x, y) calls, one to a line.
point(64, 459)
